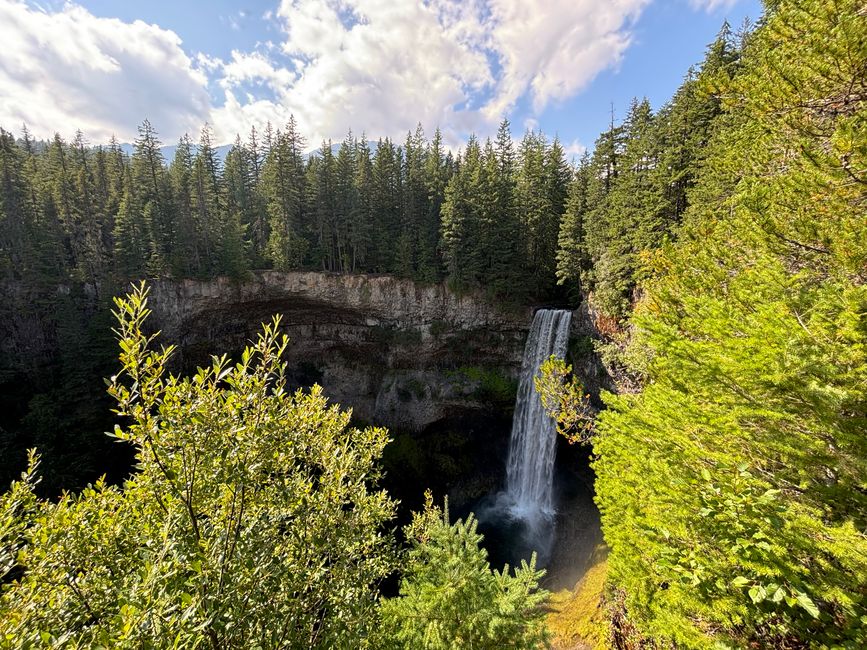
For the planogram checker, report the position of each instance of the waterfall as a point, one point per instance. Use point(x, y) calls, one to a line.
point(530, 469)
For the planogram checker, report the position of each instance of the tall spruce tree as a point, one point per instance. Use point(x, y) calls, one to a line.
point(284, 192)
point(731, 486)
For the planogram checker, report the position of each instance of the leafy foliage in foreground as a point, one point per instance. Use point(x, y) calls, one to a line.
point(450, 598)
point(733, 488)
point(565, 400)
point(253, 520)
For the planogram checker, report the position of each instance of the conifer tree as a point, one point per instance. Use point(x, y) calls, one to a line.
point(436, 178)
point(573, 259)
point(322, 197)
point(256, 224)
point(187, 259)
point(731, 485)
point(386, 205)
point(501, 228)
point(17, 218)
point(284, 191)
point(450, 597)
point(131, 232)
point(460, 220)
point(362, 221)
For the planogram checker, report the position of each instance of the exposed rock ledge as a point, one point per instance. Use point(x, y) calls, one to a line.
point(401, 354)
point(397, 352)
point(377, 299)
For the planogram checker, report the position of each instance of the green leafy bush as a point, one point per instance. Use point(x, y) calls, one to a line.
point(253, 519)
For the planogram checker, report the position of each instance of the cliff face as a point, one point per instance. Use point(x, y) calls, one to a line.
point(437, 368)
point(401, 355)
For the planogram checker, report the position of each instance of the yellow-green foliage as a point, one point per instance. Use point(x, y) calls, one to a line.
point(450, 598)
point(578, 618)
point(564, 399)
point(733, 489)
point(253, 519)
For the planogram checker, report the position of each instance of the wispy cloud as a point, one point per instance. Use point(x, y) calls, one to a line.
point(712, 5)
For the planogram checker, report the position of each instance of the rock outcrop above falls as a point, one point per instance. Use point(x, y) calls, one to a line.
point(400, 354)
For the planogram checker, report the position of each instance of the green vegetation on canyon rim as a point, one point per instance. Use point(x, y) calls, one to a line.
point(721, 244)
point(733, 486)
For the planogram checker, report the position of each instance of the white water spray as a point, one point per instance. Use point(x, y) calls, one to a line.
point(530, 469)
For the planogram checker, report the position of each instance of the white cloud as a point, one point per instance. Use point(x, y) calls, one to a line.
point(463, 64)
point(554, 48)
point(378, 65)
point(374, 64)
point(712, 5)
point(70, 69)
point(254, 67)
point(574, 150)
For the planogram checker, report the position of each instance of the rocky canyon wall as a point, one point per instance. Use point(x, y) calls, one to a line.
point(400, 354)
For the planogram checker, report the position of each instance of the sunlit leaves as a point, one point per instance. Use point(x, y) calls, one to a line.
point(253, 519)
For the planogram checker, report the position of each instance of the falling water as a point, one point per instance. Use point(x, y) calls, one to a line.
point(530, 470)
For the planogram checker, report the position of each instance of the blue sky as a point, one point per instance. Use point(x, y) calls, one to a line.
point(377, 66)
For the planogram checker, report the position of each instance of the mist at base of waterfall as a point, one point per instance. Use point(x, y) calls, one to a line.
point(567, 541)
point(513, 532)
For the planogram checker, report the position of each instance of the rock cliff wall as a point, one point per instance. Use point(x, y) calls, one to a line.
point(400, 354)
point(437, 368)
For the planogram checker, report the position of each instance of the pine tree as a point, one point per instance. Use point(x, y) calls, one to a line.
point(386, 205)
point(208, 204)
point(633, 221)
point(87, 239)
point(322, 198)
point(284, 190)
point(348, 240)
point(149, 200)
point(238, 182)
point(542, 182)
point(187, 258)
point(460, 220)
point(450, 597)
point(131, 233)
point(501, 235)
point(256, 224)
point(436, 178)
point(573, 259)
point(731, 485)
point(363, 221)
point(17, 217)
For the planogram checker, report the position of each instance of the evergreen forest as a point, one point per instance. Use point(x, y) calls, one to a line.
point(718, 244)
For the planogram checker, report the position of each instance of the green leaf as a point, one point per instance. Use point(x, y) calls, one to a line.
point(757, 594)
point(807, 603)
point(740, 581)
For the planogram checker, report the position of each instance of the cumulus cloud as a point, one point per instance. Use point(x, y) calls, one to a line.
point(554, 48)
point(381, 65)
point(69, 69)
point(462, 64)
point(372, 64)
